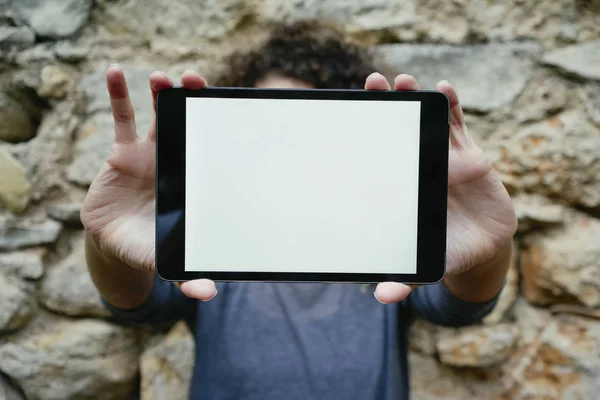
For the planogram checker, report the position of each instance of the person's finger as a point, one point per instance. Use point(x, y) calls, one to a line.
point(120, 104)
point(376, 81)
point(201, 289)
point(192, 80)
point(405, 82)
point(391, 292)
point(158, 81)
point(458, 131)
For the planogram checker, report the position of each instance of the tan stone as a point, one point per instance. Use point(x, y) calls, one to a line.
point(582, 59)
point(14, 184)
point(16, 123)
point(56, 82)
point(430, 380)
point(16, 307)
point(549, 22)
point(28, 264)
point(477, 346)
point(536, 212)
point(422, 337)
point(166, 368)
point(48, 152)
point(68, 288)
point(563, 264)
point(557, 158)
point(540, 127)
point(509, 293)
point(81, 359)
point(545, 95)
point(560, 360)
point(356, 15)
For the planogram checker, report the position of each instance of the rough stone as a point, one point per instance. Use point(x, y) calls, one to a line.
point(182, 20)
point(549, 22)
point(166, 369)
point(16, 308)
point(92, 149)
point(437, 383)
point(591, 99)
point(477, 346)
point(430, 380)
point(16, 125)
point(41, 53)
point(483, 126)
point(545, 95)
point(563, 263)
point(51, 149)
point(562, 361)
point(582, 60)
point(536, 212)
point(70, 52)
point(137, 76)
point(16, 35)
point(24, 264)
point(362, 15)
point(486, 76)
point(53, 18)
point(509, 293)
point(557, 158)
point(530, 320)
point(17, 234)
point(440, 21)
point(56, 82)
point(555, 355)
point(81, 359)
point(68, 289)
point(67, 213)
point(15, 188)
point(422, 337)
point(7, 391)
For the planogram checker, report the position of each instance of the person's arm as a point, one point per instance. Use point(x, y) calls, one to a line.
point(118, 283)
point(134, 296)
point(484, 281)
point(118, 215)
point(464, 299)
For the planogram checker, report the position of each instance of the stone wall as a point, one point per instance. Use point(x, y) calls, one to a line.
point(528, 74)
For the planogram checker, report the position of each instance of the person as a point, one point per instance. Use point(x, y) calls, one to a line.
point(294, 340)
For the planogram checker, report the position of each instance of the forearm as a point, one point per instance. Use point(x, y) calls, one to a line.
point(482, 282)
point(118, 283)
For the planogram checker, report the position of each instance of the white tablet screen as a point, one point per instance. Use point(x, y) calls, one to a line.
point(278, 185)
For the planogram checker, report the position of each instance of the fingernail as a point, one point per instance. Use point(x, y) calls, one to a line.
point(215, 295)
point(115, 65)
point(443, 81)
point(374, 295)
point(159, 73)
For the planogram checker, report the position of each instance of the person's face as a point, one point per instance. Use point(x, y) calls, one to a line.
point(279, 82)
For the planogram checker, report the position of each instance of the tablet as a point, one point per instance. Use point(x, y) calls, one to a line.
point(301, 185)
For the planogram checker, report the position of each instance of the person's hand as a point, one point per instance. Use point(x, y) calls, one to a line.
point(118, 211)
point(481, 216)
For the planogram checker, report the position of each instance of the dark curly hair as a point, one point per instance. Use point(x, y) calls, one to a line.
point(314, 52)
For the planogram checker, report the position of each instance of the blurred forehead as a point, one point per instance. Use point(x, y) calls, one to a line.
point(279, 82)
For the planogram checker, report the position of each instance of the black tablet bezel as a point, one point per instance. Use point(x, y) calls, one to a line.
point(433, 182)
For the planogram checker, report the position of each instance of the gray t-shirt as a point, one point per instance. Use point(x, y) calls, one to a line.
point(298, 341)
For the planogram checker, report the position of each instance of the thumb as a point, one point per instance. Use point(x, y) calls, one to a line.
point(200, 289)
point(392, 292)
